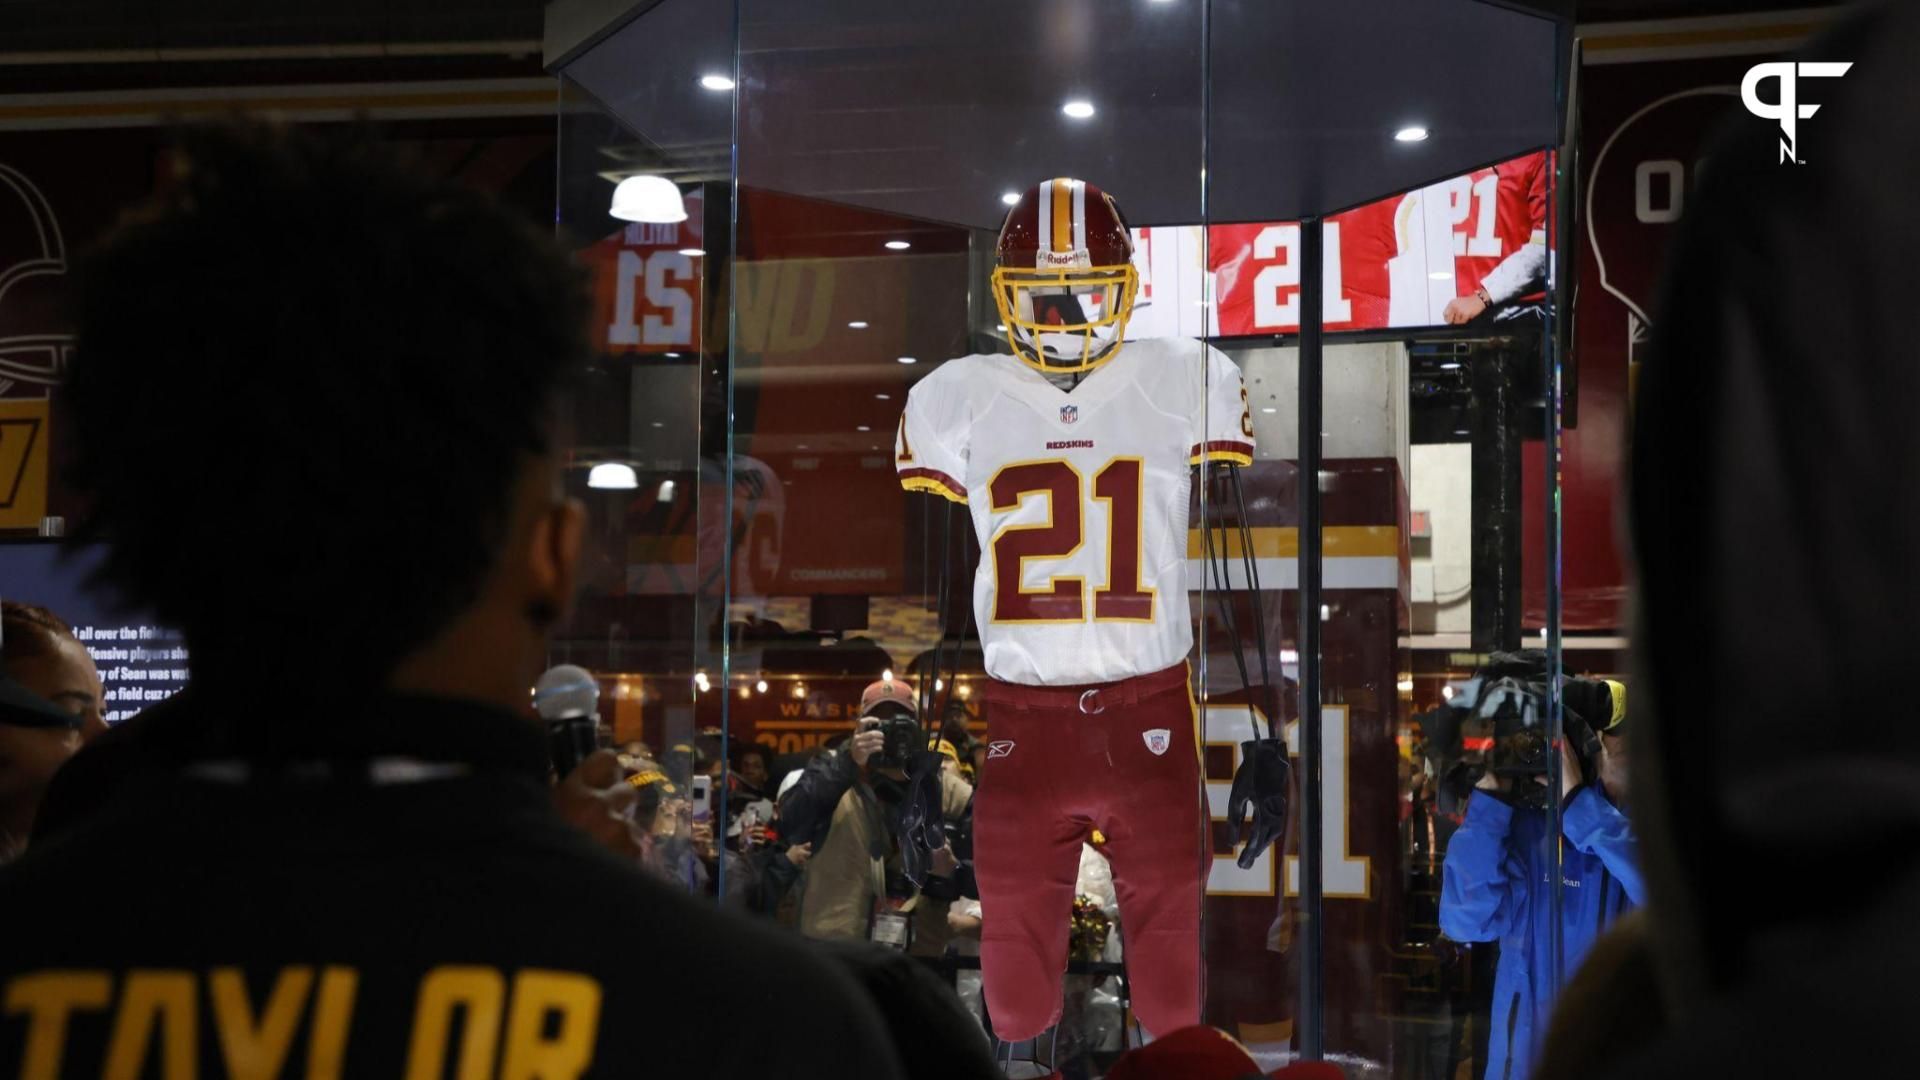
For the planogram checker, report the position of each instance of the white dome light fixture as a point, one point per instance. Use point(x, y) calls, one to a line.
point(1078, 110)
point(716, 83)
point(898, 245)
point(648, 198)
point(1411, 134)
point(612, 476)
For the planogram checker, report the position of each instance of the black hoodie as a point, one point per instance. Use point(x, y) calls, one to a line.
point(382, 888)
point(1777, 537)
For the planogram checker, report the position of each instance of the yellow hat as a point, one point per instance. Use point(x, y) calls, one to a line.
point(1619, 695)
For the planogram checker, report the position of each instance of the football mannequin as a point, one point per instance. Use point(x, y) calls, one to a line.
point(1074, 457)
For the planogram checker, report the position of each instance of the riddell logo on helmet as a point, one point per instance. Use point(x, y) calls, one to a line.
point(1069, 258)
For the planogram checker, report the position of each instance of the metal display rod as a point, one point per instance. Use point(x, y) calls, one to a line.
point(1312, 958)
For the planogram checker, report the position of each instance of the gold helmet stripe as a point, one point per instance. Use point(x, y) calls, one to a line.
point(1063, 208)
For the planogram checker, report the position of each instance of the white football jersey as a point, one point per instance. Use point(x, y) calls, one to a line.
point(1079, 500)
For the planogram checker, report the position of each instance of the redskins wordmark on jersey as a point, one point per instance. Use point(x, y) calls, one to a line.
point(1079, 500)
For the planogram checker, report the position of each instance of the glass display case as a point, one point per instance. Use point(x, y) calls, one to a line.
point(961, 348)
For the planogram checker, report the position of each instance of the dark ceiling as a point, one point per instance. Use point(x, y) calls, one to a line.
point(48, 25)
point(933, 112)
point(930, 110)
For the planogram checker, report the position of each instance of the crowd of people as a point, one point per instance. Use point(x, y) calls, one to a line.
point(389, 867)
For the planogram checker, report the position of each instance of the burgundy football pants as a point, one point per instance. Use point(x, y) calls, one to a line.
point(1062, 762)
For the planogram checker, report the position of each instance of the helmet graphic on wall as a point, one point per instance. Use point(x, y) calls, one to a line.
point(34, 337)
point(1065, 281)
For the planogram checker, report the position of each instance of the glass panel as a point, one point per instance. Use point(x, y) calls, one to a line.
point(648, 419)
point(850, 325)
point(879, 149)
point(1470, 965)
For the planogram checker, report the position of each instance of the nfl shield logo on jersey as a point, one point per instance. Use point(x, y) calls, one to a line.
point(1069, 413)
point(1158, 740)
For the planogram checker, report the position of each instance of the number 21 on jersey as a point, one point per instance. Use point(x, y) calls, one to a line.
point(1062, 599)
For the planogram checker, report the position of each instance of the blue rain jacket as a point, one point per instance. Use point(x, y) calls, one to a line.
point(1496, 888)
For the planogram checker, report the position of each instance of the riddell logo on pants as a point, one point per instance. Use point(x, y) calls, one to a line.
point(1787, 110)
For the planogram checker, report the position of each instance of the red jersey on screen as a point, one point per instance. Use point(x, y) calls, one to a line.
point(1367, 243)
point(1256, 273)
point(1506, 210)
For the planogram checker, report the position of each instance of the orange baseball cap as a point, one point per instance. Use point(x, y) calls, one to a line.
point(886, 690)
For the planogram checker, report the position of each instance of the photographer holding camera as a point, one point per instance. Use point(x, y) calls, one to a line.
point(1497, 871)
point(846, 805)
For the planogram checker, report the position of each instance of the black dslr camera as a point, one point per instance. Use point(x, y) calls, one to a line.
point(901, 731)
point(1504, 707)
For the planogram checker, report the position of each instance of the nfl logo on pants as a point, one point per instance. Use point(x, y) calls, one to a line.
point(1069, 413)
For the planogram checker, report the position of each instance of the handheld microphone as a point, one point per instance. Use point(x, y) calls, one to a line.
point(567, 698)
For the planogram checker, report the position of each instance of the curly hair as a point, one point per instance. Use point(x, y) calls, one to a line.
point(305, 379)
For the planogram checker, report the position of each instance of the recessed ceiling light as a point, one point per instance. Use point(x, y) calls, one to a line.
point(716, 82)
point(1011, 198)
point(1411, 134)
point(883, 397)
point(1268, 409)
point(1440, 275)
point(898, 245)
point(863, 427)
point(1079, 110)
point(693, 252)
point(908, 360)
point(1451, 365)
point(1462, 431)
point(856, 325)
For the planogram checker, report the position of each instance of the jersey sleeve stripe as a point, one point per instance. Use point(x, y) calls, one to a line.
point(935, 481)
point(1231, 451)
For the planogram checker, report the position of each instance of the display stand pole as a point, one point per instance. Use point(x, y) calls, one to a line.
point(1552, 355)
point(1312, 1024)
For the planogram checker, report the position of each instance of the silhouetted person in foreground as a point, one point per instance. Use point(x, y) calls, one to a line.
point(1777, 762)
point(313, 405)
